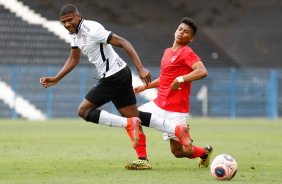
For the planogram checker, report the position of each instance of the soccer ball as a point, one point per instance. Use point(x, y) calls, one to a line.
point(223, 167)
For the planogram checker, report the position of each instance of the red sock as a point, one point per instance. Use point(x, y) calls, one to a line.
point(141, 148)
point(198, 152)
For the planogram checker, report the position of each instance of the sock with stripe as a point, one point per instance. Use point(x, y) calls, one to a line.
point(104, 118)
point(153, 121)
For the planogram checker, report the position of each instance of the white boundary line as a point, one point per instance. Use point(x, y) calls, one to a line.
point(22, 106)
point(28, 15)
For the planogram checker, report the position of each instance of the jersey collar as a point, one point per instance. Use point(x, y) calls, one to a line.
point(80, 23)
point(79, 26)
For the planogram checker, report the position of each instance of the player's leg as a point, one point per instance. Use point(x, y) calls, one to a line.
point(142, 162)
point(180, 142)
point(125, 102)
point(140, 149)
point(98, 96)
point(126, 105)
point(181, 151)
point(151, 119)
point(152, 116)
point(89, 112)
point(85, 107)
point(134, 123)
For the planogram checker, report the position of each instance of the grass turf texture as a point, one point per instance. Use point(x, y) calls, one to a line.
point(74, 151)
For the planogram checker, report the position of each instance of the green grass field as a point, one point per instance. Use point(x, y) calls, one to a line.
point(74, 151)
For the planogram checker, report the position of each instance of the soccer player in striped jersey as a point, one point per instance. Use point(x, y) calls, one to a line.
point(92, 39)
point(179, 66)
point(115, 84)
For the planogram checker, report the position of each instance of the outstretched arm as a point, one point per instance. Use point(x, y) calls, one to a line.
point(144, 74)
point(72, 61)
point(139, 89)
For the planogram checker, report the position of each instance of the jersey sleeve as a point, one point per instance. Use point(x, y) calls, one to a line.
point(73, 44)
point(191, 58)
point(100, 34)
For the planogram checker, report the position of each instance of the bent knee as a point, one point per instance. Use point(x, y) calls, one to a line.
point(82, 112)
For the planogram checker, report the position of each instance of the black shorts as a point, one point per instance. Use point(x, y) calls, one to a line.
point(116, 88)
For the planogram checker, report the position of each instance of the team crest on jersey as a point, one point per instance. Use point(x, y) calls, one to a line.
point(84, 38)
point(173, 58)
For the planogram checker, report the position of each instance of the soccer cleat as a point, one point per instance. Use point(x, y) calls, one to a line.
point(132, 128)
point(139, 164)
point(182, 133)
point(204, 162)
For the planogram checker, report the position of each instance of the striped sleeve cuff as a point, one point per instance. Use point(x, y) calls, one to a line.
point(109, 37)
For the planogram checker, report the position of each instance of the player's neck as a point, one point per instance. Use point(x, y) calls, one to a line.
point(176, 46)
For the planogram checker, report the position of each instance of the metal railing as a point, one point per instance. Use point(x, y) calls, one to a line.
point(230, 92)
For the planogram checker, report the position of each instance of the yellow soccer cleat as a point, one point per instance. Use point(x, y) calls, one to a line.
point(205, 161)
point(139, 164)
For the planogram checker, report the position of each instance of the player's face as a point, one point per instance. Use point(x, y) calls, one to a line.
point(71, 21)
point(183, 34)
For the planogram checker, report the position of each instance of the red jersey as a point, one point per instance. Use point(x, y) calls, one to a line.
point(175, 64)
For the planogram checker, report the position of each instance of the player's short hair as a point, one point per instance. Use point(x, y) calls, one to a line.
point(190, 23)
point(67, 9)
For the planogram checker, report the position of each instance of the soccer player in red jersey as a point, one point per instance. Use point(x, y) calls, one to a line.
point(179, 66)
point(115, 84)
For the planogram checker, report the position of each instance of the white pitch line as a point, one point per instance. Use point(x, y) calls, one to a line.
point(22, 106)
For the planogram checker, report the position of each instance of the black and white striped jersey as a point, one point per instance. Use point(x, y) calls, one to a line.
point(93, 40)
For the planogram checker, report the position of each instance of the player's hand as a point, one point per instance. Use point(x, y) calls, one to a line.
point(145, 76)
point(175, 85)
point(48, 81)
point(139, 89)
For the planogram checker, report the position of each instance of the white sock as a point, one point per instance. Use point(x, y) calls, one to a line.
point(162, 125)
point(109, 119)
